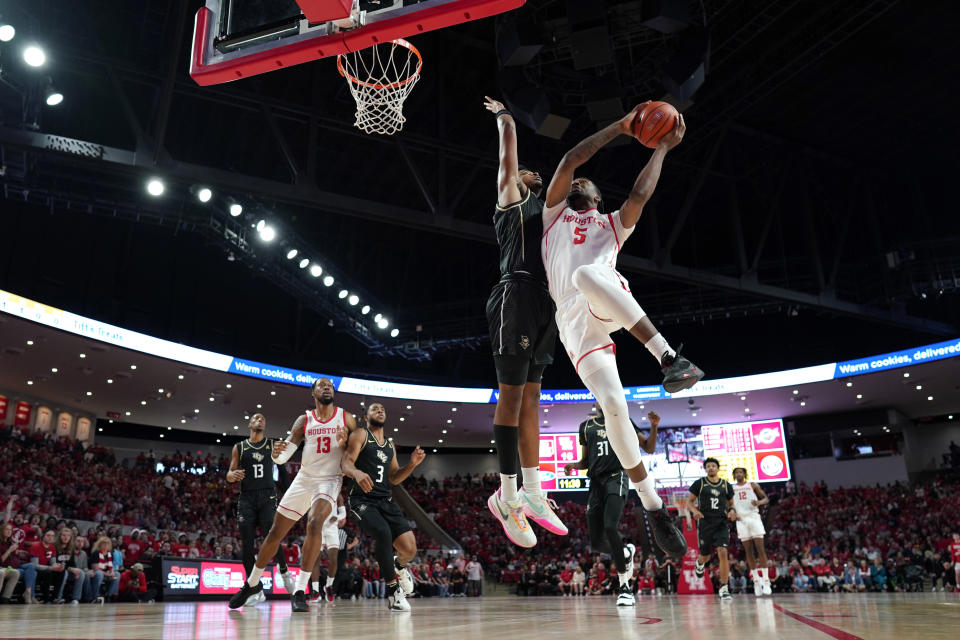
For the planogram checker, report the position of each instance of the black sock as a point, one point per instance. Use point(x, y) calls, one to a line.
point(507, 440)
point(397, 564)
point(392, 587)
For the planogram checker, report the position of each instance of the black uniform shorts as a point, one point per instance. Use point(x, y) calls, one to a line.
point(523, 330)
point(379, 514)
point(257, 507)
point(712, 534)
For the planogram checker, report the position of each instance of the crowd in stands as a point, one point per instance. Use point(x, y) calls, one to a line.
point(894, 538)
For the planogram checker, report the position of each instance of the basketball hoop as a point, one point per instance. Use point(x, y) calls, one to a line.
point(380, 78)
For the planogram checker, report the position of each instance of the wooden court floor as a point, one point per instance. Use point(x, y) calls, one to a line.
point(810, 617)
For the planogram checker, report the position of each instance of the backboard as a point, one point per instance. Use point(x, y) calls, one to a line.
point(234, 39)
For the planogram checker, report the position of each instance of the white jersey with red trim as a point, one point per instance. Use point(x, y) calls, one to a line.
point(575, 238)
point(743, 497)
point(321, 452)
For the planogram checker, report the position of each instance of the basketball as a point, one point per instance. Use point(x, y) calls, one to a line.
point(654, 122)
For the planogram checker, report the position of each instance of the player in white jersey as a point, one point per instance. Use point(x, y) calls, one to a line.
point(580, 247)
point(323, 432)
point(748, 497)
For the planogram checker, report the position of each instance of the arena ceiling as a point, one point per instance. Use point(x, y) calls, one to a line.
point(808, 217)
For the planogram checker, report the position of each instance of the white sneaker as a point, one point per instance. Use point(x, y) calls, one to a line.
point(288, 583)
point(625, 597)
point(724, 593)
point(541, 512)
point(629, 551)
point(758, 587)
point(514, 522)
point(255, 599)
point(397, 601)
point(403, 577)
point(767, 591)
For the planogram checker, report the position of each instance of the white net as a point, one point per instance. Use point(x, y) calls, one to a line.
point(380, 79)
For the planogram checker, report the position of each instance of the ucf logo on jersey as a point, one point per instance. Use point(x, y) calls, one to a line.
point(601, 433)
point(714, 492)
point(257, 456)
point(382, 456)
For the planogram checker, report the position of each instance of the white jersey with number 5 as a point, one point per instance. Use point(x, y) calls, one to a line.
point(575, 238)
point(743, 497)
point(321, 453)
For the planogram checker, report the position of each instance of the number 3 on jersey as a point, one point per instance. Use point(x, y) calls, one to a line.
point(379, 473)
point(323, 444)
point(579, 235)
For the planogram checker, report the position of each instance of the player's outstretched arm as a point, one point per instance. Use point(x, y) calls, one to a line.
point(560, 183)
point(354, 444)
point(398, 474)
point(646, 182)
point(235, 473)
point(283, 450)
point(649, 443)
point(508, 177)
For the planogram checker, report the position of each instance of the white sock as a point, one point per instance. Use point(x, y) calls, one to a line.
point(316, 587)
point(624, 578)
point(763, 574)
point(303, 579)
point(647, 492)
point(657, 345)
point(330, 580)
point(255, 574)
point(508, 487)
point(531, 481)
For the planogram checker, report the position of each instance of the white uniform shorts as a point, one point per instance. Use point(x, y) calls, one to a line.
point(585, 333)
point(304, 491)
point(331, 532)
point(750, 526)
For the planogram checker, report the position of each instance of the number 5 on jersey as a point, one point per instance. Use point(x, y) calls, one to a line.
point(579, 235)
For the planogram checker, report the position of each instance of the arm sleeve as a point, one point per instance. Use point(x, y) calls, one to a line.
point(341, 512)
point(283, 476)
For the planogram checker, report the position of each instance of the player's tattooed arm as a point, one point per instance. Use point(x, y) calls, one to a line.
point(398, 474)
point(284, 449)
point(646, 182)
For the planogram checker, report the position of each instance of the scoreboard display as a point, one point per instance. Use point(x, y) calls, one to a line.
point(759, 447)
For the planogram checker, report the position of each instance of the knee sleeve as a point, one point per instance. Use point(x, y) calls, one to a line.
point(607, 294)
point(605, 385)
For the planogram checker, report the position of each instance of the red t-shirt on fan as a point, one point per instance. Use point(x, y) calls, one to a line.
point(133, 553)
point(292, 555)
point(181, 550)
point(43, 552)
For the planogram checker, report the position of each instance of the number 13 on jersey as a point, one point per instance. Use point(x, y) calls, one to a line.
point(323, 444)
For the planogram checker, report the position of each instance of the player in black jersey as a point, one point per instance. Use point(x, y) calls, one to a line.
point(609, 488)
point(711, 503)
point(523, 332)
point(371, 461)
point(251, 464)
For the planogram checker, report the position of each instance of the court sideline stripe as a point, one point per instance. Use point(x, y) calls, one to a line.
point(833, 632)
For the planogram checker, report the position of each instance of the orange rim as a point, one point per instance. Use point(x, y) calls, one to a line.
point(395, 85)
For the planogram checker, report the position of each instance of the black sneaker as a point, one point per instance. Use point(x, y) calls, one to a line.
point(698, 569)
point(238, 599)
point(668, 537)
point(678, 372)
point(298, 602)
